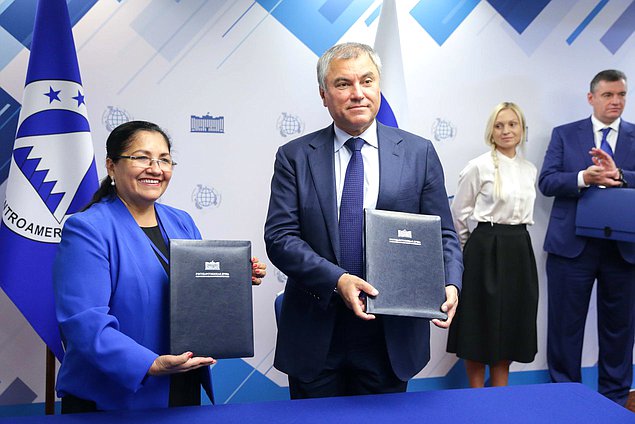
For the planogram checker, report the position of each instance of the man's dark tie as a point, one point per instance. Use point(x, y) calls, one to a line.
point(604, 145)
point(352, 211)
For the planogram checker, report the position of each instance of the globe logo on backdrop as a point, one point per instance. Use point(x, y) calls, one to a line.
point(443, 130)
point(289, 125)
point(115, 116)
point(205, 197)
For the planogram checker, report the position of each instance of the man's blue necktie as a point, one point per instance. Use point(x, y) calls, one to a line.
point(352, 211)
point(604, 145)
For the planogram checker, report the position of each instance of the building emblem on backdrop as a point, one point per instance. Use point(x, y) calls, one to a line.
point(207, 124)
point(443, 130)
point(114, 116)
point(205, 197)
point(289, 125)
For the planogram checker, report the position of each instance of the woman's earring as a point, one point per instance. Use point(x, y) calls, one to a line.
point(112, 181)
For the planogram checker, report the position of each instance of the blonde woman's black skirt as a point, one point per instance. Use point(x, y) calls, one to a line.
point(496, 317)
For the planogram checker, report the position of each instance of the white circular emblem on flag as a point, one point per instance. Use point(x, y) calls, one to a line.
point(52, 157)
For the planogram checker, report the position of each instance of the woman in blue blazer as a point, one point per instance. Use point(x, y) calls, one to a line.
point(111, 286)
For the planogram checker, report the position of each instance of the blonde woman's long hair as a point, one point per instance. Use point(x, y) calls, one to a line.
point(489, 138)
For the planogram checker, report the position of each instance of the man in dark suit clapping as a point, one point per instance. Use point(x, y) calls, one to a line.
point(596, 151)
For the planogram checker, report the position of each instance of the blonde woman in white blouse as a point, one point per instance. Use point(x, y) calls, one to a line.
point(495, 322)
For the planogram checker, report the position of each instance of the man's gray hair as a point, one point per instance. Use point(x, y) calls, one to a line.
point(344, 51)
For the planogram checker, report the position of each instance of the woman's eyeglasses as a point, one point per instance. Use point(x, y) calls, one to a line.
point(166, 164)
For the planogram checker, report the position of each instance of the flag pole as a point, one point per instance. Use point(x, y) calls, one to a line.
point(49, 394)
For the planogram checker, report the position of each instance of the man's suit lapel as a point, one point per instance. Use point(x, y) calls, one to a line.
point(323, 174)
point(320, 159)
point(625, 147)
point(391, 156)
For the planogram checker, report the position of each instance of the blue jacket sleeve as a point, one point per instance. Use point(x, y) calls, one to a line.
point(558, 176)
point(83, 290)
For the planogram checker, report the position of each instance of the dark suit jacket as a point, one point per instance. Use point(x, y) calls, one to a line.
point(567, 154)
point(302, 239)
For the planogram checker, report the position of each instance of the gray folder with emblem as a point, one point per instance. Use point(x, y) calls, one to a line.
point(404, 262)
point(210, 298)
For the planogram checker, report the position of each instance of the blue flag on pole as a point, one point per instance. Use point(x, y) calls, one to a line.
point(52, 172)
point(388, 47)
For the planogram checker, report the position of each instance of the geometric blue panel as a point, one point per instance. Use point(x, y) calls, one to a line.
point(18, 20)
point(374, 15)
point(78, 8)
point(592, 14)
point(19, 17)
point(235, 381)
point(317, 23)
point(170, 27)
point(17, 393)
point(519, 13)
point(10, 48)
point(440, 18)
point(539, 31)
point(9, 114)
point(332, 9)
point(619, 32)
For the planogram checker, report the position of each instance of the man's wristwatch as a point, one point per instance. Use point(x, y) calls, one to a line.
point(621, 178)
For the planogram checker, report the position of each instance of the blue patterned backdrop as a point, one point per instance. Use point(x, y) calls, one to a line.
point(232, 80)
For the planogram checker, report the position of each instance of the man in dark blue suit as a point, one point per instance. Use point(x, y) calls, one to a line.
point(578, 157)
point(327, 344)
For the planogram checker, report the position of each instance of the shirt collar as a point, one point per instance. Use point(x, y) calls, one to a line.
point(369, 136)
point(598, 125)
point(505, 157)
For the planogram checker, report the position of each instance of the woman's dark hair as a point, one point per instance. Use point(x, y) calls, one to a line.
point(118, 142)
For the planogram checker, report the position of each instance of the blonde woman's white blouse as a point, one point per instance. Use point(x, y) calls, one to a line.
point(475, 200)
